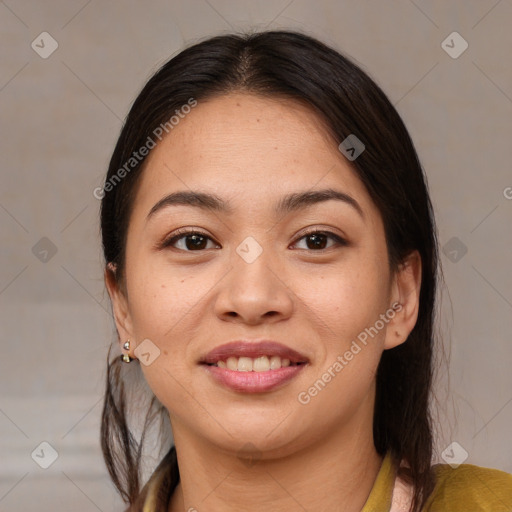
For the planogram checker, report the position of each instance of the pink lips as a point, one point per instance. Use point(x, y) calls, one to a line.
point(253, 382)
point(253, 349)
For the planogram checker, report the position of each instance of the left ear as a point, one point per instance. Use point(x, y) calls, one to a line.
point(405, 291)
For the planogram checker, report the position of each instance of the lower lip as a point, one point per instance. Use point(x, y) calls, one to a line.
point(254, 382)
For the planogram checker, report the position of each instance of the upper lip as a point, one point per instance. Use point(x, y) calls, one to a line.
point(253, 349)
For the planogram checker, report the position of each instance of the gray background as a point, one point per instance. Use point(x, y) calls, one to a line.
point(60, 120)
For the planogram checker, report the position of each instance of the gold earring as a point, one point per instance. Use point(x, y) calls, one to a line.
point(125, 357)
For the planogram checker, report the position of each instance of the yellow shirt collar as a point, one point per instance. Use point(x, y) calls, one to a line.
point(381, 494)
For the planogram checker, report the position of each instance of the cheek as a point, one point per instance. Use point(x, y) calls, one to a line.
point(163, 296)
point(165, 305)
point(344, 309)
point(347, 298)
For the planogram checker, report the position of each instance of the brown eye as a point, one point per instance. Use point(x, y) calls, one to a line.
point(189, 241)
point(318, 240)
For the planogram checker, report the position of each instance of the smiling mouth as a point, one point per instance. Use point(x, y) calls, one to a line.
point(257, 364)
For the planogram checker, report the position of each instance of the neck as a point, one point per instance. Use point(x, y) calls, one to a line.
point(334, 473)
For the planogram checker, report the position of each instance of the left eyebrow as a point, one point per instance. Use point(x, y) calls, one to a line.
point(299, 200)
point(287, 204)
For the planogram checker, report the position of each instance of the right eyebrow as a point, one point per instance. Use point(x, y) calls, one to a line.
point(209, 202)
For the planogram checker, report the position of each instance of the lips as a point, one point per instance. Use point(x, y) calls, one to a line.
point(253, 349)
point(253, 366)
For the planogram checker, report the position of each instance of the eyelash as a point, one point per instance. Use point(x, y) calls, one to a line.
point(183, 233)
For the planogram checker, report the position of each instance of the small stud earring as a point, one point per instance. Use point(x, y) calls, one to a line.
point(125, 357)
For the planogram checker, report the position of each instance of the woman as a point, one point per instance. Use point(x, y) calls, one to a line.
point(271, 258)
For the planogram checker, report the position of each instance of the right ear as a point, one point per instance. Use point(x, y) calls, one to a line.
point(119, 305)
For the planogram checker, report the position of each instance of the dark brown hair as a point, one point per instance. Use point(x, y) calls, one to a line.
point(293, 65)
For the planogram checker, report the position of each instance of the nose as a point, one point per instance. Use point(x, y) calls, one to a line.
point(254, 293)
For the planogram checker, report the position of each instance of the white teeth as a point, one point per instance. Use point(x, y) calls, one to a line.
point(232, 363)
point(244, 364)
point(261, 364)
point(258, 364)
point(275, 362)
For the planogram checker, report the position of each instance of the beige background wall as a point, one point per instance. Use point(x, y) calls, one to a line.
point(60, 118)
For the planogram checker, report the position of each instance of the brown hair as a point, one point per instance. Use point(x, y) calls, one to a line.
point(294, 65)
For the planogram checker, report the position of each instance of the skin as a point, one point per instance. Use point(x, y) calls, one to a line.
point(251, 151)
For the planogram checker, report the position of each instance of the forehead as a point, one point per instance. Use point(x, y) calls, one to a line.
point(250, 149)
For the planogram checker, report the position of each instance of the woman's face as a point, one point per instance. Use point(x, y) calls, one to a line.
point(255, 274)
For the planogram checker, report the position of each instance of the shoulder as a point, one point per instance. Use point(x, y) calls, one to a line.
point(469, 488)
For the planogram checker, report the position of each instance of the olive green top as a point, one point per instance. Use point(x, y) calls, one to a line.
point(466, 488)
